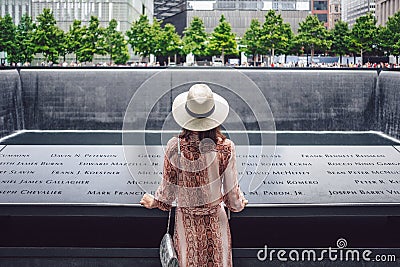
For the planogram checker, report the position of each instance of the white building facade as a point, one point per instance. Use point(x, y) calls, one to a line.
point(335, 12)
point(66, 11)
point(16, 8)
point(353, 9)
point(386, 9)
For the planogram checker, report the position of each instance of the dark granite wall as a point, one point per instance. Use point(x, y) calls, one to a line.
point(389, 103)
point(300, 99)
point(11, 112)
point(319, 100)
point(78, 99)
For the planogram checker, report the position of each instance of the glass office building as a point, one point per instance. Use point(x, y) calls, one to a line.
point(353, 9)
point(238, 13)
point(66, 11)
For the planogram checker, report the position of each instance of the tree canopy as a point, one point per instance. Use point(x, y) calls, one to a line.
point(275, 34)
point(195, 38)
point(364, 34)
point(169, 41)
point(7, 36)
point(340, 37)
point(141, 37)
point(92, 41)
point(312, 35)
point(222, 40)
point(114, 44)
point(391, 35)
point(24, 35)
point(47, 36)
point(251, 40)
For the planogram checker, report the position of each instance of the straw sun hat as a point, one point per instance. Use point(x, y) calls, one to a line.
point(199, 109)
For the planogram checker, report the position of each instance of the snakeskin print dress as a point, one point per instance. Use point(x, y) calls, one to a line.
point(203, 177)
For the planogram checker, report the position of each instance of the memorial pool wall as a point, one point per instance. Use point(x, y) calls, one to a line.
point(300, 99)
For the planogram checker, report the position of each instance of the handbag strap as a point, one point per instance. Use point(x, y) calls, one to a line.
point(169, 219)
point(177, 173)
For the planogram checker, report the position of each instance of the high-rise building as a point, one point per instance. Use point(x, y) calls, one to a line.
point(66, 11)
point(167, 8)
point(319, 8)
point(16, 8)
point(385, 9)
point(335, 12)
point(238, 13)
point(353, 9)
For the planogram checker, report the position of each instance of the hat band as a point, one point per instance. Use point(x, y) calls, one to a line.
point(200, 115)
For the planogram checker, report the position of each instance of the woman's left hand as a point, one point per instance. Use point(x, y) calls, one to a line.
point(148, 201)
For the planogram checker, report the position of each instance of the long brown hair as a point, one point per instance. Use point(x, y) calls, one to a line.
point(213, 134)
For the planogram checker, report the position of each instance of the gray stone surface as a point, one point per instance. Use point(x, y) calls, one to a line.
point(11, 112)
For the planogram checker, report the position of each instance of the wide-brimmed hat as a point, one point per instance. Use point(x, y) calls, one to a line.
point(199, 109)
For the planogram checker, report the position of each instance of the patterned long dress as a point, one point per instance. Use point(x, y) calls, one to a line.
point(207, 177)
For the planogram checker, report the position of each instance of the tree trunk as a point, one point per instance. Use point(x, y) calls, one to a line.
point(312, 54)
point(307, 58)
point(272, 55)
point(175, 57)
point(362, 60)
point(223, 57)
point(397, 60)
point(340, 60)
point(169, 60)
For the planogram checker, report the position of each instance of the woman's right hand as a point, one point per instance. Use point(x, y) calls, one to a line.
point(148, 201)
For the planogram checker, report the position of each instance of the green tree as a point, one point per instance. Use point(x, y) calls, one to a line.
point(156, 33)
point(312, 35)
point(364, 34)
point(92, 41)
point(169, 41)
point(340, 37)
point(195, 38)
point(7, 37)
point(63, 48)
point(23, 39)
point(46, 36)
point(275, 35)
point(390, 36)
point(115, 44)
point(285, 48)
point(251, 40)
point(74, 38)
point(222, 40)
point(140, 37)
